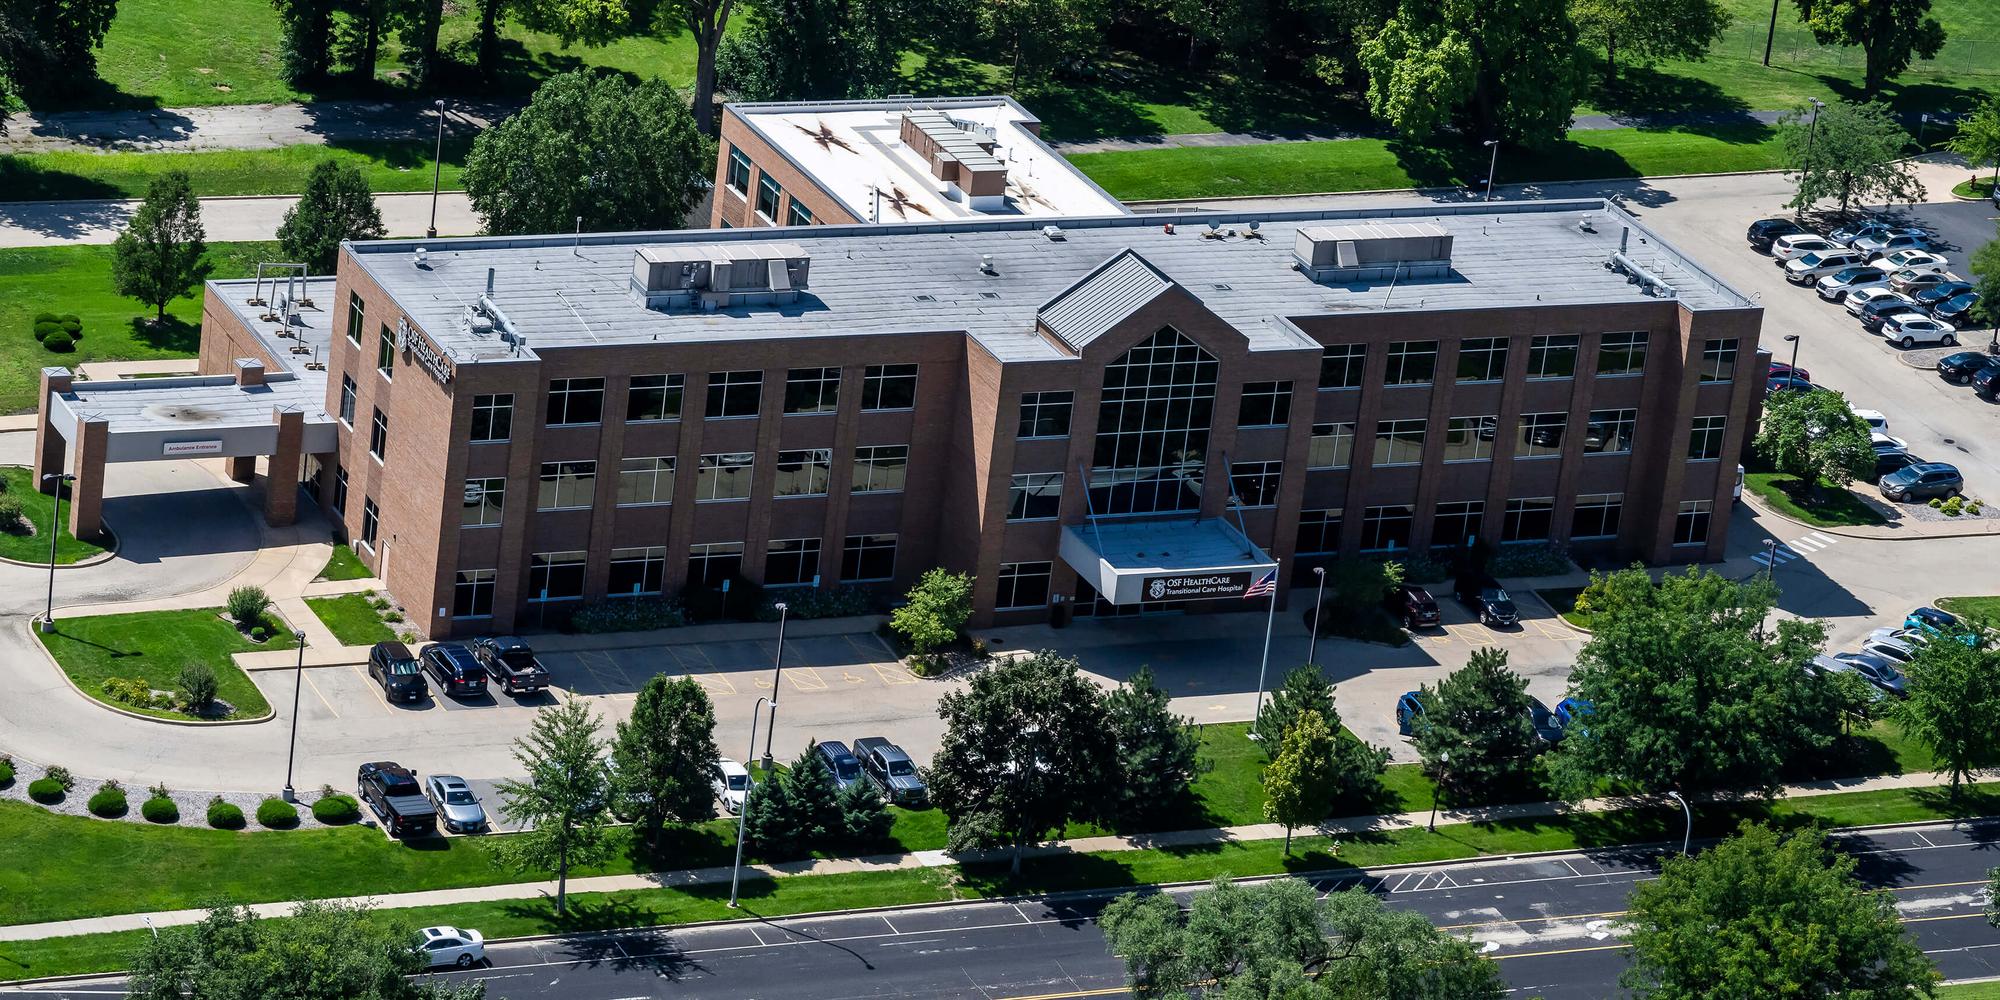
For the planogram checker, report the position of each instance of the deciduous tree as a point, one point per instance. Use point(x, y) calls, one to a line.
point(1304, 775)
point(1815, 436)
point(1507, 69)
point(323, 951)
point(934, 610)
point(1854, 153)
point(49, 47)
point(1649, 30)
point(561, 802)
point(1762, 914)
point(1985, 267)
point(159, 256)
point(1035, 36)
point(664, 754)
point(1953, 709)
point(788, 50)
point(1305, 690)
point(1158, 751)
point(305, 39)
point(1978, 136)
point(1890, 33)
point(337, 205)
point(1476, 735)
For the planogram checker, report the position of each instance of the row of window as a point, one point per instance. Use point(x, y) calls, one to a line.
point(1471, 439)
point(580, 401)
point(1528, 519)
point(1484, 359)
point(649, 480)
point(769, 194)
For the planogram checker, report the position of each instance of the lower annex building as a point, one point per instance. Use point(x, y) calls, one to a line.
point(1123, 412)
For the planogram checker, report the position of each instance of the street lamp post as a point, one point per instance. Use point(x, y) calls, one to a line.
point(1319, 601)
point(61, 479)
point(298, 681)
point(437, 169)
point(1771, 35)
point(1444, 764)
point(743, 811)
point(1688, 834)
point(1812, 129)
point(777, 673)
point(1492, 166)
point(1793, 339)
point(1770, 560)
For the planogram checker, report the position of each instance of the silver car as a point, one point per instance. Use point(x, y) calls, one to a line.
point(456, 804)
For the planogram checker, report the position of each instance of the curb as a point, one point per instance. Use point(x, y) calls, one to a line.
point(36, 640)
point(1844, 532)
point(110, 552)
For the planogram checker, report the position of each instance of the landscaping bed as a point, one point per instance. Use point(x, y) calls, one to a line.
point(37, 508)
point(1831, 507)
point(152, 647)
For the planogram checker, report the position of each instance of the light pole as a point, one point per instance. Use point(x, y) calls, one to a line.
point(437, 169)
point(1688, 834)
point(298, 681)
point(61, 479)
point(1812, 129)
point(1492, 165)
point(743, 811)
point(777, 673)
point(1312, 645)
point(149, 925)
point(1444, 764)
point(1772, 34)
point(1770, 559)
point(1793, 339)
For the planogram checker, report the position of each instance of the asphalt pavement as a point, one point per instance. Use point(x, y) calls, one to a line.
point(1551, 922)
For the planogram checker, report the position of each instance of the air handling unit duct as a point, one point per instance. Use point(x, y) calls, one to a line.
point(719, 275)
point(1371, 252)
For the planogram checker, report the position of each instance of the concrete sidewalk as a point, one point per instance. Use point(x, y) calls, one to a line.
point(244, 126)
point(58, 223)
point(935, 859)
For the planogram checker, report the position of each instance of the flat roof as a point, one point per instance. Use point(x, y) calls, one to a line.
point(567, 291)
point(854, 149)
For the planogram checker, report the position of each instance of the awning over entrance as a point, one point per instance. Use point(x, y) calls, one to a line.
point(1148, 561)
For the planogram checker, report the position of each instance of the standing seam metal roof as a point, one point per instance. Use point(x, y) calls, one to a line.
point(1103, 298)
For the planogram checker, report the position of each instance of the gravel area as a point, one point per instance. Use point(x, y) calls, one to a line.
point(193, 804)
point(1925, 512)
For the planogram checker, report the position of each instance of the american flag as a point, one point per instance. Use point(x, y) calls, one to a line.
point(1264, 587)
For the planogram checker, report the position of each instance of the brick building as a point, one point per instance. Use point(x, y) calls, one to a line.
point(1128, 413)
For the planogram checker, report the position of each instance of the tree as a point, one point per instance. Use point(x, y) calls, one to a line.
point(1816, 437)
point(48, 47)
point(360, 41)
point(1304, 690)
point(1953, 708)
point(617, 155)
point(705, 21)
point(418, 23)
point(561, 803)
point(663, 756)
point(1476, 735)
point(1650, 29)
point(796, 811)
point(1853, 153)
point(1859, 702)
point(1304, 776)
point(305, 43)
point(789, 50)
point(1690, 692)
point(863, 818)
point(1027, 749)
point(1762, 914)
point(934, 611)
point(1279, 940)
point(323, 951)
point(1890, 33)
point(1508, 69)
point(1038, 35)
point(1985, 267)
point(1159, 753)
point(159, 256)
point(1978, 137)
point(337, 205)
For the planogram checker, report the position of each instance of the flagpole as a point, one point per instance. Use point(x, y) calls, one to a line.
point(1270, 615)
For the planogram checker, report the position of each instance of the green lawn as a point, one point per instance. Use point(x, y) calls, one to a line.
point(1832, 508)
point(39, 508)
point(1970, 991)
point(153, 646)
point(77, 279)
point(1563, 601)
point(351, 619)
point(344, 565)
point(1986, 608)
point(388, 166)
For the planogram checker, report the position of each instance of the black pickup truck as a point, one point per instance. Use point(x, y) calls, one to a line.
point(395, 797)
point(511, 663)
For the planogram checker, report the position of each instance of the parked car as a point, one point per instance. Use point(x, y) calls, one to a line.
point(891, 770)
point(1813, 266)
point(1873, 319)
point(392, 665)
point(841, 762)
point(1935, 294)
point(1915, 260)
point(1876, 421)
point(1956, 309)
point(455, 668)
point(731, 782)
point(1413, 606)
point(1889, 242)
point(1838, 285)
point(1764, 231)
point(1893, 460)
point(1910, 282)
point(1866, 226)
point(1789, 381)
point(1797, 245)
point(1888, 648)
point(1780, 368)
point(455, 802)
point(1986, 382)
point(451, 946)
point(1907, 330)
point(1569, 710)
point(1922, 481)
point(393, 795)
point(1961, 367)
point(1922, 633)
point(511, 663)
point(1488, 601)
point(1408, 707)
point(1877, 670)
point(1861, 300)
point(1548, 728)
point(1933, 617)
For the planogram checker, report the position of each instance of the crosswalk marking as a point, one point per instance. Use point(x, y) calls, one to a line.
point(1797, 548)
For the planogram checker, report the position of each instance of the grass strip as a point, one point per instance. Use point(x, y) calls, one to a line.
point(1987, 608)
point(153, 646)
point(344, 565)
point(1831, 507)
point(351, 619)
point(66, 175)
point(38, 509)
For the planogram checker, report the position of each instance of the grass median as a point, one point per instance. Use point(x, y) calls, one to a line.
point(38, 509)
point(153, 646)
point(351, 619)
point(344, 565)
point(1827, 507)
point(73, 175)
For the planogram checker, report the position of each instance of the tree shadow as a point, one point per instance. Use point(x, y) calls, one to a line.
point(1643, 94)
point(169, 334)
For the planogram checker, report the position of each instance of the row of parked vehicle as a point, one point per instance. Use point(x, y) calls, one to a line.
point(1884, 651)
point(1551, 725)
point(1890, 278)
point(872, 760)
point(1414, 608)
point(462, 670)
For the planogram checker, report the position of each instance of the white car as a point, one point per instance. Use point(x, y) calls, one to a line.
point(1797, 245)
point(1891, 648)
point(1804, 270)
point(1890, 242)
point(732, 782)
point(1838, 285)
point(1880, 440)
point(1860, 298)
point(451, 946)
point(1911, 329)
point(1915, 260)
point(1877, 423)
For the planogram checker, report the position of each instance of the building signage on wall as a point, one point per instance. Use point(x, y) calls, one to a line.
point(427, 352)
point(178, 449)
point(1194, 586)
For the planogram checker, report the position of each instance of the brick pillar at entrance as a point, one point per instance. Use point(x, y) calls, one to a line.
point(49, 442)
point(242, 468)
point(281, 485)
point(86, 498)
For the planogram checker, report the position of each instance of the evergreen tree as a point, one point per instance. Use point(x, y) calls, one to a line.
point(159, 256)
point(336, 206)
point(1158, 751)
point(817, 820)
point(1476, 735)
point(863, 818)
point(664, 754)
point(768, 829)
point(1305, 690)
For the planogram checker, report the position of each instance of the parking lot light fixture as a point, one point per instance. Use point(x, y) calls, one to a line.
point(743, 811)
point(61, 479)
point(1492, 165)
point(1688, 834)
point(777, 674)
point(1444, 763)
point(1793, 339)
point(298, 681)
point(1319, 601)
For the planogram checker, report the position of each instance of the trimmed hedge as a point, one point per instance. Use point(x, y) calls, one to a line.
point(224, 816)
point(160, 809)
point(109, 802)
point(623, 614)
point(277, 814)
point(337, 810)
point(1529, 559)
point(6, 772)
point(827, 602)
point(47, 791)
point(59, 341)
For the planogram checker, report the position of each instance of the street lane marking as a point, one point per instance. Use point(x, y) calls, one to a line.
point(1561, 951)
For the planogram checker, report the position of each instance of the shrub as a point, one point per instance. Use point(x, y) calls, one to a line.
point(46, 327)
point(47, 791)
point(46, 317)
point(277, 814)
point(247, 604)
point(260, 633)
point(60, 775)
point(831, 602)
point(392, 616)
point(1530, 559)
point(13, 517)
point(627, 614)
point(198, 686)
point(72, 324)
point(126, 691)
point(1952, 506)
point(160, 809)
point(935, 611)
point(223, 815)
point(6, 771)
point(109, 801)
point(336, 810)
point(59, 342)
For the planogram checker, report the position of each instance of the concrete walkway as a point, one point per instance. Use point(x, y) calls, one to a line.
point(243, 126)
point(935, 859)
point(58, 223)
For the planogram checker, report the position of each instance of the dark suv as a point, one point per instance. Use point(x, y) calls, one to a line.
point(393, 794)
point(1765, 232)
point(1921, 482)
point(455, 668)
point(1489, 602)
point(891, 770)
point(393, 666)
point(1962, 366)
point(1413, 606)
point(845, 767)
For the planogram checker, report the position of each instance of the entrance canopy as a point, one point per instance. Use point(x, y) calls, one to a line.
point(1151, 561)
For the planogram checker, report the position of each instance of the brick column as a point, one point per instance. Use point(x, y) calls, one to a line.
point(242, 468)
point(49, 442)
point(281, 485)
point(249, 371)
point(86, 498)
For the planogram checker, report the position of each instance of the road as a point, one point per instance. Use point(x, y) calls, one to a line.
point(63, 223)
point(1551, 923)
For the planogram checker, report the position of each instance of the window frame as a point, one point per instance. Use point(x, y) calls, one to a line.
point(672, 397)
point(1265, 479)
point(1544, 347)
point(709, 471)
point(1493, 353)
point(1387, 435)
point(567, 477)
point(371, 522)
point(357, 317)
point(1712, 430)
point(1033, 407)
point(546, 566)
point(1024, 488)
point(1626, 418)
point(1009, 579)
point(1331, 434)
point(1635, 344)
point(737, 160)
point(774, 555)
point(491, 511)
point(1471, 426)
point(1372, 526)
point(817, 466)
point(821, 384)
point(875, 383)
point(1687, 516)
point(849, 550)
point(1270, 400)
point(1517, 511)
point(1402, 356)
point(876, 454)
point(378, 436)
point(1469, 515)
point(1719, 359)
point(1351, 362)
point(727, 390)
point(1525, 447)
point(767, 187)
point(797, 214)
point(1326, 524)
point(652, 563)
point(349, 397)
point(493, 416)
point(1609, 511)
point(573, 396)
point(385, 352)
point(663, 467)
point(478, 584)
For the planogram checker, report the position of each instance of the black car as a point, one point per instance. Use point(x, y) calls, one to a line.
point(1893, 461)
point(1413, 606)
point(1922, 481)
point(511, 663)
point(1986, 381)
point(1935, 294)
point(1488, 601)
point(1875, 312)
point(455, 668)
point(1764, 232)
point(393, 666)
point(1954, 310)
point(1962, 366)
point(393, 794)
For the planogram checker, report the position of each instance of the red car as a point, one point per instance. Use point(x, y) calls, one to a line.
point(1780, 368)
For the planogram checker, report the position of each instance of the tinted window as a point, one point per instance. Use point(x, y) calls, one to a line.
point(396, 785)
point(738, 782)
point(402, 667)
point(847, 769)
point(901, 767)
point(459, 798)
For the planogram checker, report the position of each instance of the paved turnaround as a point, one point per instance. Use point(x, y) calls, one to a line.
point(1550, 921)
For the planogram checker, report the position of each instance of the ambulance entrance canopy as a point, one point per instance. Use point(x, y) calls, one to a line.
point(1151, 561)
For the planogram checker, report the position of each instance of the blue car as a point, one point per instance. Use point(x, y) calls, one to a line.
point(1408, 707)
point(1932, 618)
point(1569, 710)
